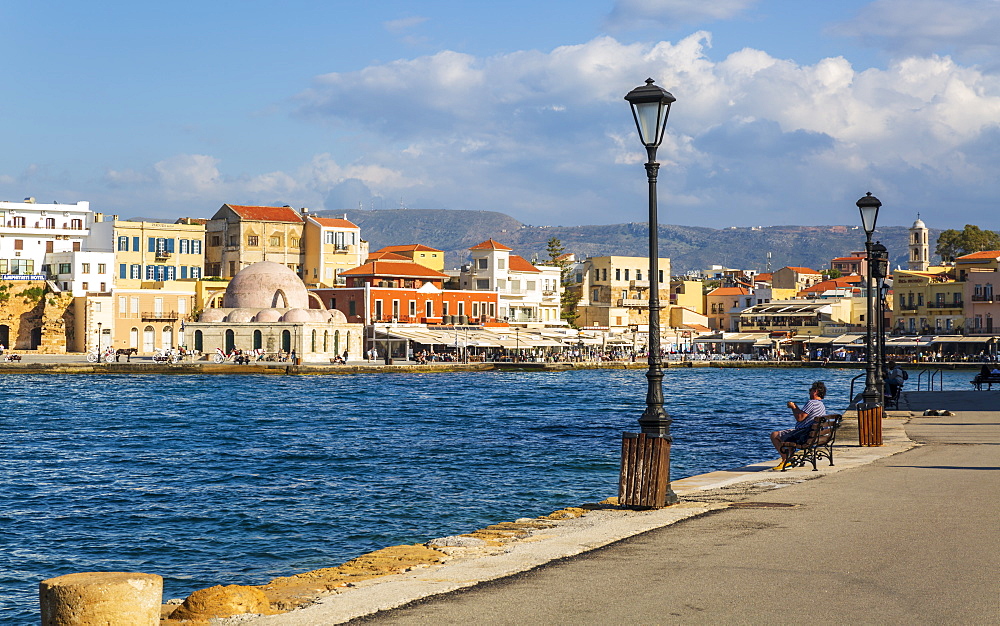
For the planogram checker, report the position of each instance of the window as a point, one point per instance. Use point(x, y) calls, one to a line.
point(597, 275)
point(482, 263)
point(638, 274)
point(253, 241)
point(76, 224)
point(19, 222)
point(195, 272)
point(123, 271)
point(429, 308)
point(294, 242)
point(134, 305)
point(76, 246)
point(595, 295)
point(352, 308)
point(395, 309)
point(378, 310)
point(184, 272)
point(660, 273)
point(475, 309)
point(413, 308)
point(532, 285)
point(626, 274)
point(618, 274)
point(85, 268)
point(604, 274)
point(19, 244)
point(185, 246)
point(65, 268)
point(276, 242)
point(102, 268)
point(500, 264)
point(195, 246)
point(234, 240)
point(86, 286)
point(135, 272)
point(216, 240)
point(482, 283)
point(501, 285)
point(122, 306)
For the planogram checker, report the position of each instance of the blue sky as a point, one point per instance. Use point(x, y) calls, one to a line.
point(787, 111)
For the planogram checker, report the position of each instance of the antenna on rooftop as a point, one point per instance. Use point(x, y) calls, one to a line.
point(769, 261)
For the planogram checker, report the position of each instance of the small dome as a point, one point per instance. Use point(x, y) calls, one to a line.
point(298, 316)
point(267, 315)
point(337, 317)
point(919, 224)
point(241, 316)
point(266, 285)
point(212, 315)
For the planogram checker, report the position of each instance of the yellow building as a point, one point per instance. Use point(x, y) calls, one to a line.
point(420, 254)
point(238, 236)
point(927, 302)
point(331, 246)
point(688, 294)
point(615, 291)
point(157, 268)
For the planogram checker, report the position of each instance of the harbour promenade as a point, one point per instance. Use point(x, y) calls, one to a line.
point(903, 533)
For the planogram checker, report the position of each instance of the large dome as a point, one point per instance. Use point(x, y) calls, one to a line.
point(266, 285)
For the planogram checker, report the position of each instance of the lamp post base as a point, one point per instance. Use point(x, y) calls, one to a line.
point(645, 472)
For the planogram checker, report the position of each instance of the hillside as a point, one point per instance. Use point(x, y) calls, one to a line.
point(688, 247)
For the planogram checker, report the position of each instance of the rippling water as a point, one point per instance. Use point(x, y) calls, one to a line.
point(238, 479)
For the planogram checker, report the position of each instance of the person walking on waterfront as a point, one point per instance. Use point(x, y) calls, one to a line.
point(804, 417)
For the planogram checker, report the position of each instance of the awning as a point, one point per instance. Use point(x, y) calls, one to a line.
point(813, 339)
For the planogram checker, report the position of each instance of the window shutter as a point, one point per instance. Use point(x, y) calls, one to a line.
point(123, 271)
point(170, 245)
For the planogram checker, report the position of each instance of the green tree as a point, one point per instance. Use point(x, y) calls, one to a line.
point(831, 273)
point(570, 295)
point(953, 243)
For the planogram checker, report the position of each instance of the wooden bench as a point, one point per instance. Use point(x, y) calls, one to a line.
point(989, 381)
point(819, 444)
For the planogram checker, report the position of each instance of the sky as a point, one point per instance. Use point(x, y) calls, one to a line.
point(787, 111)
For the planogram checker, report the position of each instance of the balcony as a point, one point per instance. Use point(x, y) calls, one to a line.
point(162, 255)
point(945, 305)
point(632, 302)
point(908, 307)
point(983, 297)
point(639, 284)
point(163, 316)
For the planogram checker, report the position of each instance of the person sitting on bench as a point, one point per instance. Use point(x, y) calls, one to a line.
point(804, 417)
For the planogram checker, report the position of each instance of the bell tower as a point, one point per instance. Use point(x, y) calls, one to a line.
point(919, 247)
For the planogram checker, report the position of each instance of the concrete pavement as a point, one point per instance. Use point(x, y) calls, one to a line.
point(907, 532)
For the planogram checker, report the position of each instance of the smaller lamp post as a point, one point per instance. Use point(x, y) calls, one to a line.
point(869, 206)
point(99, 356)
point(880, 269)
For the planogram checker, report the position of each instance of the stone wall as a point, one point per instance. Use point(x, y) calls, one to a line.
point(36, 319)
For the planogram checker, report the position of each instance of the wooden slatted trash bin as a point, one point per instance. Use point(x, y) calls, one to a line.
point(870, 424)
point(645, 471)
point(92, 598)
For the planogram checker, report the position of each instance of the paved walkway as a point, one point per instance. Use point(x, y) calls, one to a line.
point(913, 537)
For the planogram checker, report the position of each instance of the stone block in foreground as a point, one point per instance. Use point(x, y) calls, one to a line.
point(91, 598)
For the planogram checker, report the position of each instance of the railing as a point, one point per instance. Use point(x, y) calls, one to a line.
point(852, 396)
point(931, 374)
point(983, 297)
point(945, 305)
point(908, 307)
point(163, 316)
point(632, 302)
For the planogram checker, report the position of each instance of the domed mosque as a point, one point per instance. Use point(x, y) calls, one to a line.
point(267, 307)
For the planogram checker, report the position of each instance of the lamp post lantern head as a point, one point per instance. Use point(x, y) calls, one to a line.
point(869, 206)
point(650, 108)
point(879, 261)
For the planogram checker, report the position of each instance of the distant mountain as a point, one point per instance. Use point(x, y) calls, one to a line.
point(688, 247)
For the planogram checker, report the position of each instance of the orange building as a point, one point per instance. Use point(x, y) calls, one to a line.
point(388, 289)
point(722, 302)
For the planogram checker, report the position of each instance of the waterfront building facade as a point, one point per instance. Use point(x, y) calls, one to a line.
point(29, 231)
point(927, 302)
point(150, 251)
point(526, 293)
point(798, 317)
point(723, 306)
point(393, 289)
point(855, 263)
point(330, 247)
point(238, 236)
point(981, 271)
point(614, 292)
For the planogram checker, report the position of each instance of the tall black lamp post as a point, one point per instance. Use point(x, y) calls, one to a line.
point(869, 206)
point(880, 269)
point(650, 107)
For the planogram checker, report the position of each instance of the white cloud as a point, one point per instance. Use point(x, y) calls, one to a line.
point(965, 28)
point(403, 24)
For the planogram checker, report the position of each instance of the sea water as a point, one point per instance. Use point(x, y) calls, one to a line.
point(210, 480)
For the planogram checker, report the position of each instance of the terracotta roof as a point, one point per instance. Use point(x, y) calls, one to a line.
point(519, 264)
point(416, 247)
point(334, 222)
point(729, 291)
point(833, 283)
point(490, 244)
point(801, 270)
point(766, 276)
point(985, 254)
point(387, 256)
point(698, 327)
point(849, 258)
point(395, 268)
point(266, 213)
